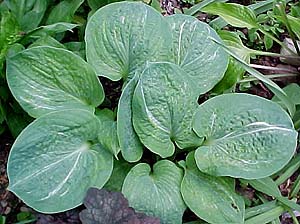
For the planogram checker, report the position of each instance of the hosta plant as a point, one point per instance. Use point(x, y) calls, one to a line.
point(165, 63)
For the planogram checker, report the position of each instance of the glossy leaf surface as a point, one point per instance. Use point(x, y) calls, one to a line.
point(163, 106)
point(121, 37)
point(211, 198)
point(59, 152)
point(246, 136)
point(130, 144)
point(43, 80)
point(156, 193)
point(193, 48)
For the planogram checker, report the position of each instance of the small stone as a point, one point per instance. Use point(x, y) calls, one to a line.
point(7, 210)
point(3, 204)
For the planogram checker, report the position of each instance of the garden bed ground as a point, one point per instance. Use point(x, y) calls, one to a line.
point(11, 206)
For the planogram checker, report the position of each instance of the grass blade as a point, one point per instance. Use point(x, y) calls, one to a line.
point(268, 82)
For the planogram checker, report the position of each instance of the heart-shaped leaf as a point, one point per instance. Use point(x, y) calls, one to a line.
point(193, 49)
point(163, 105)
point(211, 198)
point(58, 152)
point(246, 136)
point(156, 193)
point(43, 80)
point(121, 37)
point(130, 144)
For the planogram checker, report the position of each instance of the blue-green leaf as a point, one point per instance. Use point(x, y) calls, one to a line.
point(163, 106)
point(246, 136)
point(193, 48)
point(211, 198)
point(46, 79)
point(56, 159)
point(156, 192)
point(121, 37)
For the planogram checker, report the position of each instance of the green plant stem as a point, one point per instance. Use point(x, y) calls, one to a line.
point(281, 10)
point(295, 220)
point(265, 53)
point(267, 216)
point(269, 83)
point(296, 188)
point(275, 39)
point(274, 76)
point(291, 168)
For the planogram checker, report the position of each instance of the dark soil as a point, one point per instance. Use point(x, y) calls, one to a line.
point(9, 203)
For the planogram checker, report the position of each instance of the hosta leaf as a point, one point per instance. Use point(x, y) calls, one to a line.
point(130, 144)
point(292, 91)
point(28, 13)
point(235, 14)
point(55, 160)
point(121, 37)
point(163, 105)
point(157, 192)
point(47, 41)
point(193, 48)
point(246, 136)
point(108, 132)
point(63, 11)
point(105, 207)
point(46, 79)
point(211, 198)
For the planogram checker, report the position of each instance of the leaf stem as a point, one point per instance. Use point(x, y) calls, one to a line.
point(275, 39)
point(273, 76)
point(296, 188)
point(295, 220)
point(281, 10)
point(291, 168)
point(265, 53)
